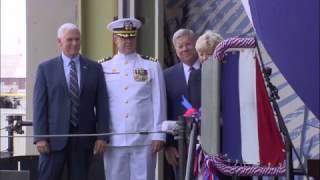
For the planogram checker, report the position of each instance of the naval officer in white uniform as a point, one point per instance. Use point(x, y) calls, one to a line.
point(137, 104)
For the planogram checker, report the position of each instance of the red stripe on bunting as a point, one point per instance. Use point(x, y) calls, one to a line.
point(270, 141)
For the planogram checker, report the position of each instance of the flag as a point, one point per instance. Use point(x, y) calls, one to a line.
point(250, 133)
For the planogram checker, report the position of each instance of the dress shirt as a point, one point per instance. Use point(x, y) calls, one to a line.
point(186, 69)
point(67, 67)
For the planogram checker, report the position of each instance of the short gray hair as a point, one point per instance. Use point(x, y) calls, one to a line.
point(182, 32)
point(66, 27)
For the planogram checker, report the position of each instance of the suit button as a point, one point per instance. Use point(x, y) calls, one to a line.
point(126, 88)
point(126, 74)
point(126, 115)
point(126, 101)
point(126, 62)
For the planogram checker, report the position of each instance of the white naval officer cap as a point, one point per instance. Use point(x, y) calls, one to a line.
point(126, 27)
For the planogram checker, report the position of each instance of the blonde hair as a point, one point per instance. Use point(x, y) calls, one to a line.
point(208, 41)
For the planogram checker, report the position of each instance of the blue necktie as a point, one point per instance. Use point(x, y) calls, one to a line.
point(74, 92)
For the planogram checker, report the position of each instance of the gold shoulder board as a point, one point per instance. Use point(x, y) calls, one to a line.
point(149, 58)
point(104, 59)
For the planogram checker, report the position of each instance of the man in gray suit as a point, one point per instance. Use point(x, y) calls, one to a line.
point(69, 97)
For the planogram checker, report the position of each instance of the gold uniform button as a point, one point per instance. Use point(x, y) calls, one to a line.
point(126, 62)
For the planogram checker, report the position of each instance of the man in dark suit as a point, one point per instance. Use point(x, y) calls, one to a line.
point(69, 97)
point(176, 79)
point(194, 88)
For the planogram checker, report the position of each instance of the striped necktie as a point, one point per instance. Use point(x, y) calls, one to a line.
point(190, 71)
point(74, 92)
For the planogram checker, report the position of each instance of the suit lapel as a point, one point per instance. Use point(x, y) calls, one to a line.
point(181, 77)
point(84, 73)
point(61, 74)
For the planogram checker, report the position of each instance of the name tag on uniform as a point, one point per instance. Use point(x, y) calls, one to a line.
point(113, 71)
point(140, 74)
